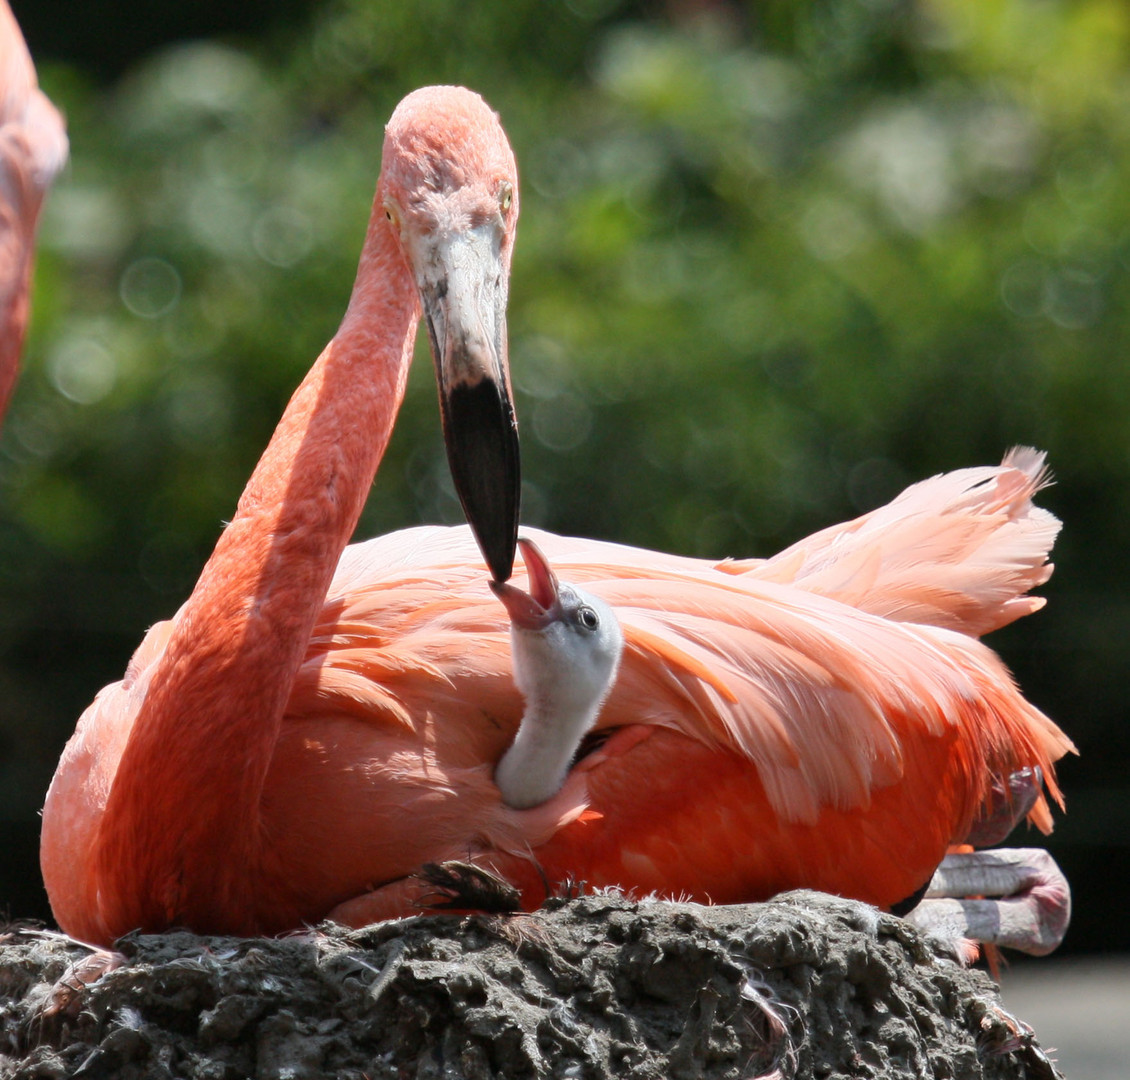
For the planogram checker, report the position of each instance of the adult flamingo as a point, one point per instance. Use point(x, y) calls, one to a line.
point(33, 148)
point(315, 723)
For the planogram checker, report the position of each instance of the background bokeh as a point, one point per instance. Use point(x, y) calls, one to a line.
point(776, 260)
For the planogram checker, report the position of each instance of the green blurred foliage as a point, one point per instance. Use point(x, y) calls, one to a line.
point(776, 260)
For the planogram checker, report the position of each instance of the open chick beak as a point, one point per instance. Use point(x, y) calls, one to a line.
point(463, 290)
point(536, 609)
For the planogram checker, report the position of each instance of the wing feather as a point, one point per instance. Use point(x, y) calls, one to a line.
point(822, 697)
point(812, 731)
point(959, 550)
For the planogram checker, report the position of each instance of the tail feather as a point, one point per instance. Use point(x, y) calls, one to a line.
point(960, 550)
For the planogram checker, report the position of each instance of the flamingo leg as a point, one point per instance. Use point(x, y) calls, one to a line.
point(1014, 897)
point(399, 899)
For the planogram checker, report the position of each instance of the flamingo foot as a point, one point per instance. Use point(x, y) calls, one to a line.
point(1017, 898)
point(463, 886)
point(452, 887)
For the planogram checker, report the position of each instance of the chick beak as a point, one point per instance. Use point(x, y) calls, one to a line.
point(536, 609)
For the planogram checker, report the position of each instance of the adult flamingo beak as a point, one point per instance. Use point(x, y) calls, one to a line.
point(463, 289)
point(536, 609)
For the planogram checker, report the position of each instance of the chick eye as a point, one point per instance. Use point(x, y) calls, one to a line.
point(588, 618)
point(506, 196)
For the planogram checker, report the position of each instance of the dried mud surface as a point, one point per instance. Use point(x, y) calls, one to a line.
point(805, 986)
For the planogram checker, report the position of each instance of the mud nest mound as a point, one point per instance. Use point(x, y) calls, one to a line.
point(806, 986)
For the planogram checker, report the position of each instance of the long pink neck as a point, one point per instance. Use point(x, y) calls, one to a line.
point(182, 822)
point(13, 323)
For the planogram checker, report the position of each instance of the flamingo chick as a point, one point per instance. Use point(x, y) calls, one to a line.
point(566, 646)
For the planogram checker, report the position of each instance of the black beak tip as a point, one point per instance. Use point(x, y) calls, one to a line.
point(482, 450)
point(499, 557)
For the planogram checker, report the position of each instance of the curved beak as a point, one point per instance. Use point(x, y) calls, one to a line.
point(536, 609)
point(463, 289)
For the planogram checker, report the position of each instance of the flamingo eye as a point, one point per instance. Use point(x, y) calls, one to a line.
point(392, 215)
point(505, 196)
point(588, 618)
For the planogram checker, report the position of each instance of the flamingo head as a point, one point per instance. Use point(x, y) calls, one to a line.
point(449, 190)
point(566, 644)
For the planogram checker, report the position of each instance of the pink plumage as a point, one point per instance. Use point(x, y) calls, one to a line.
point(33, 148)
point(317, 722)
